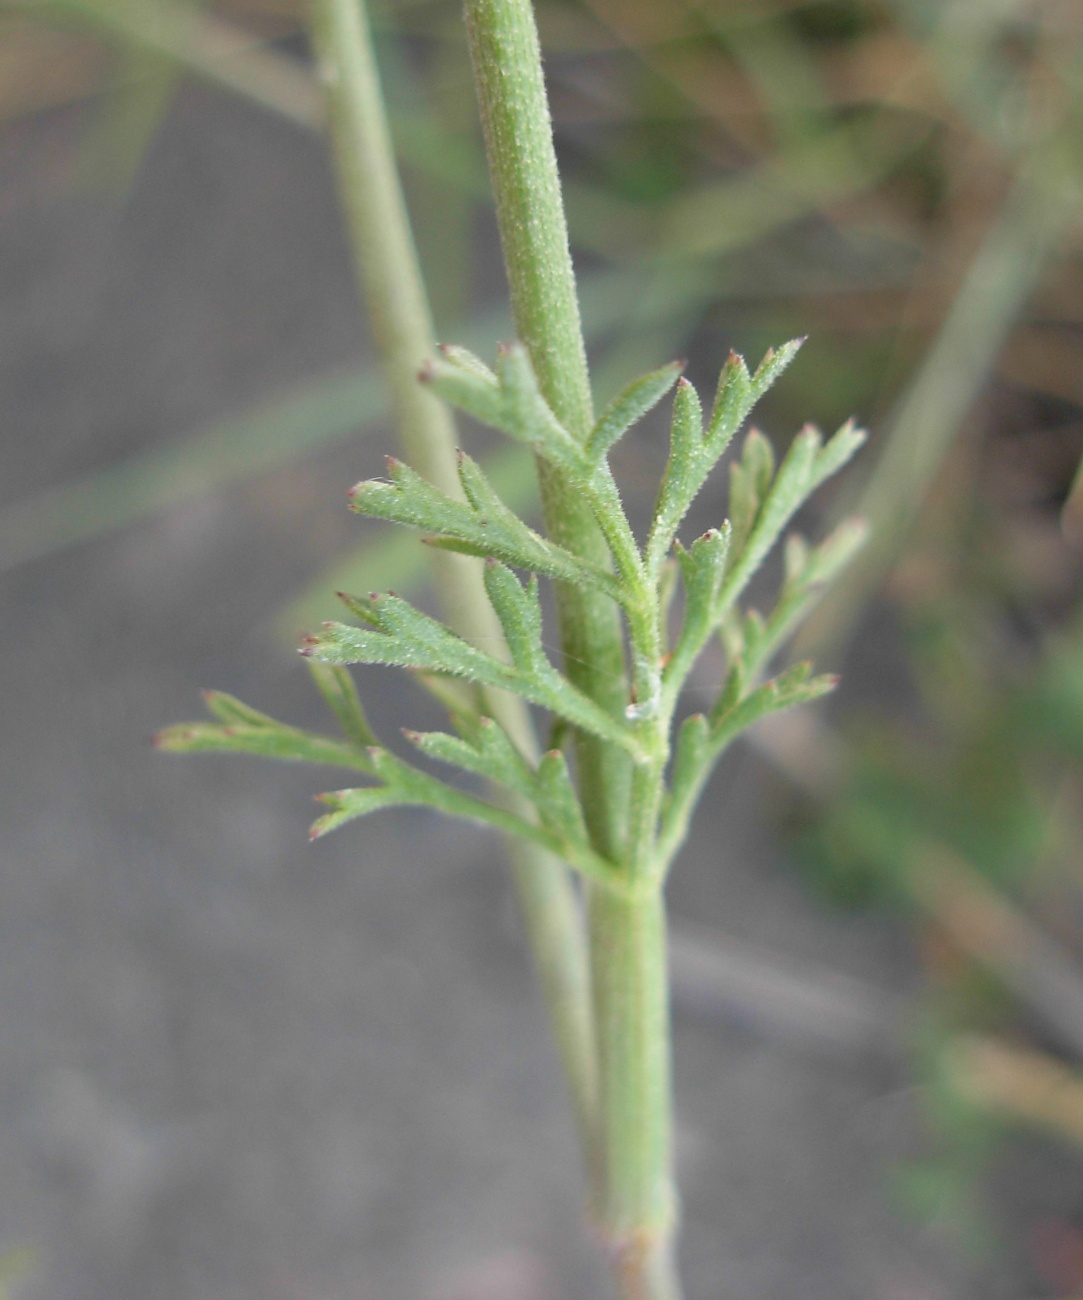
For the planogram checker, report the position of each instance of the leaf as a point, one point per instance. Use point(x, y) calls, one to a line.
point(693, 454)
point(839, 449)
point(702, 567)
point(630, 406)
point(808, 573)
point(481, 525)
point(786, 494)
point(509, 400)
point(557, 802)
point(734, 398)
point(345, 805)
point(404, 636)
point(490, 754)
point(519, 613)
point(775, 361)
point(361, 607)
point(276, 741)
point(464, 387)
point(465, 360)
point(228, 709)
point(835, 552)
point(404, 785)
point(795, 686)
point(690, 759)
point(682, 475)
point(335, 684)
point(527, 416)
point(410, 639)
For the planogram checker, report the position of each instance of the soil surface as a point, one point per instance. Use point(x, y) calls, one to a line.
point(239, 1067)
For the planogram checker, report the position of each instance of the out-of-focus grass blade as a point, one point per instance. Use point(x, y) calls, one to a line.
point(247, 444)
point(226, 56)
point(1042, 205)
point(216, 51)
point(223, 452)
point(142, 89)
point(395, 558)
point(839, 163)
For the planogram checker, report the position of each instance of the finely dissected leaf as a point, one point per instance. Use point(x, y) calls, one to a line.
point(694, 453)
point(839, 449)
point(734, 398)
point(482, 525)
point(466, 388)
point(345, 805)
point(691, 757)
point(835, 552)
point(803, 468)
point(335, 684)
point(405, 785)
point(750, 478)
point(527, 415)
point(410, 639)
point(783, 497)
point(277, 741)
point(629, 406)
point(557, 802)
point(754, 636)
point(490, 754)
point(775, 361)
point(465, 360)
point(795, 686)
point(519, 612)
point(808, 573)
point(510, 401)
point(702, 568)
point(228, 709)
point(682, 475)
point(361, 607)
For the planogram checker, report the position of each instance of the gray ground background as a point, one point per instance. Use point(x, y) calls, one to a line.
point(237, 1067)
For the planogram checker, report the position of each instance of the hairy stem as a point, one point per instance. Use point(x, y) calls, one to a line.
point(530, 212)
point(635, 1211)
point(637, 1219)
point(401, 322)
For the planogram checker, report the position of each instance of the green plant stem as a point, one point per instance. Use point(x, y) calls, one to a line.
point(387, 262)
point(533, 231)
point(631, 998)
point(636, 1211)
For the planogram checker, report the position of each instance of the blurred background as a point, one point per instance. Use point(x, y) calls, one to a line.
point(238, 1067)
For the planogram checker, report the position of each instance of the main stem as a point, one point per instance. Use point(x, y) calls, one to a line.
point(399, 314)
point(635, 1212)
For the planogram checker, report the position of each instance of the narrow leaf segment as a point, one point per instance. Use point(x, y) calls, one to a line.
point(712, 574)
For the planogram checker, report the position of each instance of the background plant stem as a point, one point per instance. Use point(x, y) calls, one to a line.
point(379, 231)
point(627, 935)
